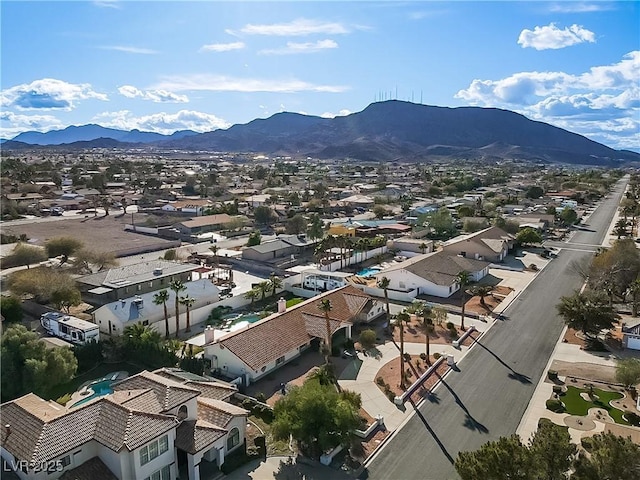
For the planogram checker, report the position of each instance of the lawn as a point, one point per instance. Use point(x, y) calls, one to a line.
point(576, 405)
point(97, 372)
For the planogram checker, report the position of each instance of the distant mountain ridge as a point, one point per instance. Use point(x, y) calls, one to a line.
point(86, 133)
point(386, 131)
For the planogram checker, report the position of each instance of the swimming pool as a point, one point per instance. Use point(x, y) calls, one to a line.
point(100, 389)
point(234, 318)
point(368, 272)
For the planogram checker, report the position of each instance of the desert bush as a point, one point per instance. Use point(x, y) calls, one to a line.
point(555, 406)
point(380, 381)
point(367, 339)
point(423, 356)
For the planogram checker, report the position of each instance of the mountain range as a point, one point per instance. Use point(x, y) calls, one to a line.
point(384, 131)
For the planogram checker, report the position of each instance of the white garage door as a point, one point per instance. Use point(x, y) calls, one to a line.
point(633, 343)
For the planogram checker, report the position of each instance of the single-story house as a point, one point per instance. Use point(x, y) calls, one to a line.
point(491, 244)
point(114, 317)
point(281, 246)
point(263, 346)
point(129, 280)
point(631, 336)
point(433, 273)
point(21, 198)
point(160, 425)
point(193, 207)
point(412, 245)
point(206, 223)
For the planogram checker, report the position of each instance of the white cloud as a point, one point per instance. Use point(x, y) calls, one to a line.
point(293, 48)
point(157, 96)
point(221, 83)
point(551, 37)
point(17, 123)
point(298, 27)
point(342, 113)
point(597, 103)
point(129, 49)
point(48, 94)
point(581, 7)
point(222, 47)
point(165, 123)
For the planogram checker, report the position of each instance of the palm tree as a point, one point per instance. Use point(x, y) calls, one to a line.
point(423, 247)
point(214, 249)
point(325, 306)
point(161, 298)
point(324, 375)
point(263, 288)
point(402, 317)
point(482, 291)
point(463, 279)
point(634, 288)
point(383, 283)
point(427, 327)
point(188, 302)
point(588, 312)
point(141, 336)
point(252, 295)
point(177, 286)
point(275, 283)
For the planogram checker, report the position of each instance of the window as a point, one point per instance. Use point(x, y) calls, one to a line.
point(233, 439)
point(163, 474)
point(280, 360)
point(138, 287)
point(153, 449)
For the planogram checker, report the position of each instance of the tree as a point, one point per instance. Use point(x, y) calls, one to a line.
point(465, 211)
point(324, 375)
point(568, 216)
point(11, 308)
point(628, 371)
point(427, 327)
point(423, 247)
point(315, 230)
point(65, 297)
point(62, 246)
point(40, 283)
point(552, 451)
point(275, 283)
point(528, 236)
point(263, 288)
point(24, 255)
point(177, 286)
point(402, 317)
point(89, 261)
point(254, 239)
point(506, 458)
point(379, 211)
point(383, 284)
point(610, 457)
point(326, 307)
point(588, 312)
point(296, 224)
point(28, 365)
point(464, 280)
point(252, 295)
point(534, 191)
point(471, 225)
point(188, 302)
point(316, 416)
point(161, 298)
point(482, 291)
point(264, 215)
point(621, 228)
point(439, 315)
point(442, 222)
point(367, 339)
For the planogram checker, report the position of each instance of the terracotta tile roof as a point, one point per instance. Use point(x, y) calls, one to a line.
point(92, 469)
point(193, 436)
point(169, 393)
point(217, 412)
point(146, 401)
point(209, 388)
point(214, 390)
point(103, 420)
point(265, 341)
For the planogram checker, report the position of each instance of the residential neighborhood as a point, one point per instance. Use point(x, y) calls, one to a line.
point(223, 290)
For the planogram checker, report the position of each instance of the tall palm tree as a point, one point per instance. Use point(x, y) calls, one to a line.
point(275, 283)
point(188, 302)
point(177, 286)
point(214, 249)
point(634, 288)
point(464, 280)
point(326, 307)
point(161, 298)
point(423, 247)
point(427, 327)
point(403, 316)
point(482, 291)
point(384, 283)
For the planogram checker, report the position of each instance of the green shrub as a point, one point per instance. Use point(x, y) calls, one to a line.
point(380, 381)
point(436, 355)
point(423, 356)
point(451, 326)
point(552, 375)
point(557, 389)
point(555, 405)
point(63, 400)
point(407, 357)
point(633, 418)
point(367, 339)
point(261, 397)
point(170, 254)
point(587, 443)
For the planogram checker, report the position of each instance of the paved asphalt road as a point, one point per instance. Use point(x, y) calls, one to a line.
point(487, 397)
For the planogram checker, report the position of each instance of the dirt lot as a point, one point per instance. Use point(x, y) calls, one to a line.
point(105, 234)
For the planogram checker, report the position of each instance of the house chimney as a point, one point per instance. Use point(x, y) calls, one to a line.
point(7, 429)
point(282, 305)
point(209, 334)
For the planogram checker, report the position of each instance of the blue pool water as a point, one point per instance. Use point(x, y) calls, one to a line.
point(237, 317)
point(99, 389)
point(367, 272)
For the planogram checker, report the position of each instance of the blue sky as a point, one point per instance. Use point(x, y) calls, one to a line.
point(167, 66)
